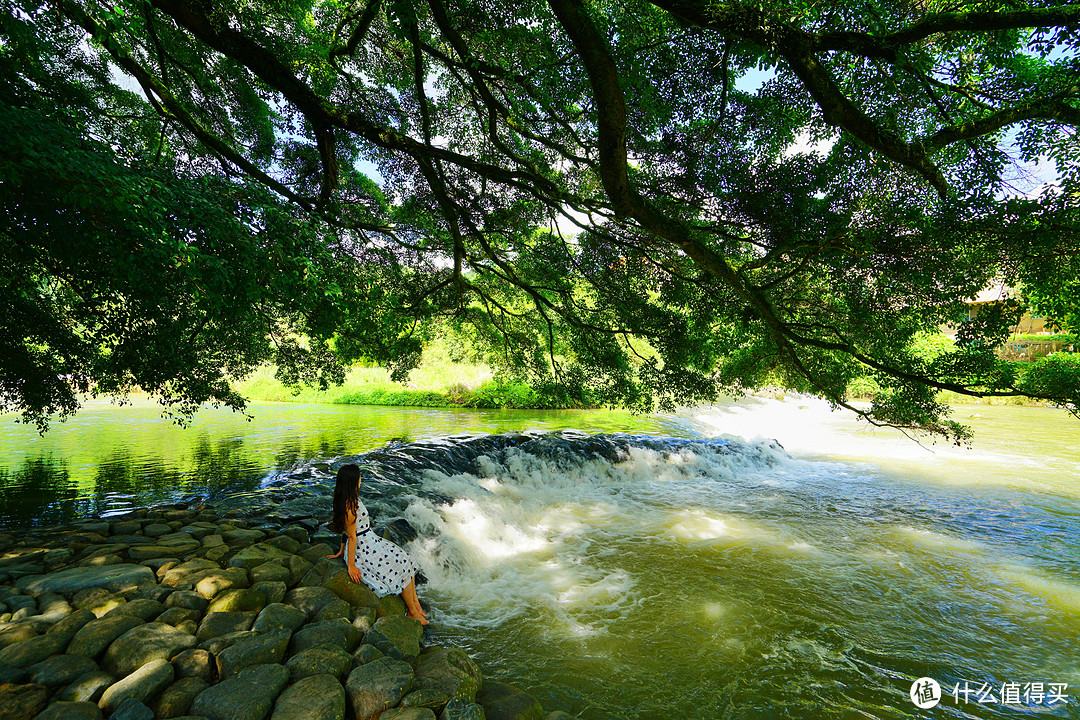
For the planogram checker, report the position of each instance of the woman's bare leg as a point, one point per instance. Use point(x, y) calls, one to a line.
point(413, 603)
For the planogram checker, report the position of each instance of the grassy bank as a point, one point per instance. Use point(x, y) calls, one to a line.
point(433, 384)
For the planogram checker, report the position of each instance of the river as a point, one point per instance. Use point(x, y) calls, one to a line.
point(682, 579)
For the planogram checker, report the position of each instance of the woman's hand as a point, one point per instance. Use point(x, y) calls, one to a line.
point(336, 555)
point(355, 574)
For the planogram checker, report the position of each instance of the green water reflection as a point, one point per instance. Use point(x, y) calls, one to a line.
point(110, 458)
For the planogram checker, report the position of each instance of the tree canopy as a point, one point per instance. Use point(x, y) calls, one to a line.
point(650, 203)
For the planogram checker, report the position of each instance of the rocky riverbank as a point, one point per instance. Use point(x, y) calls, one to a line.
point(184, 613)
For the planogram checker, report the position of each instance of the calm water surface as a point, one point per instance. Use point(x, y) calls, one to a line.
point(110, 458)
point(816, 581)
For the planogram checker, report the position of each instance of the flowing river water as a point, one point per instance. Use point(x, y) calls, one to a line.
point(678, 566)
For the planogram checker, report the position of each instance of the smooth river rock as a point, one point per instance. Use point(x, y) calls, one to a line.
point(249, 695)
point(278, 616)
point(67, 582)
point(140, 645)
point(258, 650)
point(377, 686)
point(317, 696)
point(458, 709)
point(216, 624)
point(95, 636)
point(397, 637)
point(177, 698)
point(22, 702)
point(449, 670)
point(72, 624)
point(310, 599)
point(60, 670)
point(336, 632)
point(30, 652)
point(144, 685)
point(320, 661)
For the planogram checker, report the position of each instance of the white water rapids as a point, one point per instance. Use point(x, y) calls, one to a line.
point(818, 580)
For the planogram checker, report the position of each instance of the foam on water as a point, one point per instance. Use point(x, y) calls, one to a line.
point(683, 578)
point(530, 536)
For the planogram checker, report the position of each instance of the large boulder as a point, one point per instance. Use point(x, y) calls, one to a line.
point(140, 645)
point(21, 702)
point(284, 542)
point(310, 599)
point(317, 696)
point(17, 632)
point(278, 616)
point(337, 632)
point(448, 670)
point(96, 636)
point(257, 554)
point(178, 574)
point(377, 686)
point(248, 695)
point(177, 698)
point(114, 578)
point(398, 637)
point(323, 569)
point(216, 645)
point(132, 709)
point(273, 591)
point(391, 606)
point(270, 572)
point(320, 661)
point(298, 567)
point(176, 616)
point(241, 537)
point(30, 652)
point(187, 600)
point(209, 583)
point(144, 685)
point(258, 650)
point(87, 688)
point(60, 670)
point(143, 608)
point(72, 624)
point(216, 624)
point(458, 709)
point(353, 593)
point(195, 662)
point(237, 600)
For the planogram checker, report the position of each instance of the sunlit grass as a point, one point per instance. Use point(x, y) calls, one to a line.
point(437, 382)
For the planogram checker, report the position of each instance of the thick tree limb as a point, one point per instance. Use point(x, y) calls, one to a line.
point(1056, 108)
point(886, 46)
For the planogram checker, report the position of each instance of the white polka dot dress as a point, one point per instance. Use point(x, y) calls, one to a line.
point(385, 567)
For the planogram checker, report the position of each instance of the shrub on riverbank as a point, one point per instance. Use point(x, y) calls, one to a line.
point(433, 384)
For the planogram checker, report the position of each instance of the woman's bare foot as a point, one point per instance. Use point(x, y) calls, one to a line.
point(418, 615)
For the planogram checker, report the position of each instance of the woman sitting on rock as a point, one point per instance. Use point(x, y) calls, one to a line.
point(380, 564)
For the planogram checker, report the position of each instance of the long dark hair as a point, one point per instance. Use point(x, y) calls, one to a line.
point(346, 495)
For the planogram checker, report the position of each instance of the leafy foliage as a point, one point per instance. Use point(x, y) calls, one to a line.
point(616, 201)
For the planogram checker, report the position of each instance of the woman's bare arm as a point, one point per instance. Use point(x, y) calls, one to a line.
point(350, 547)
point(339, 553)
